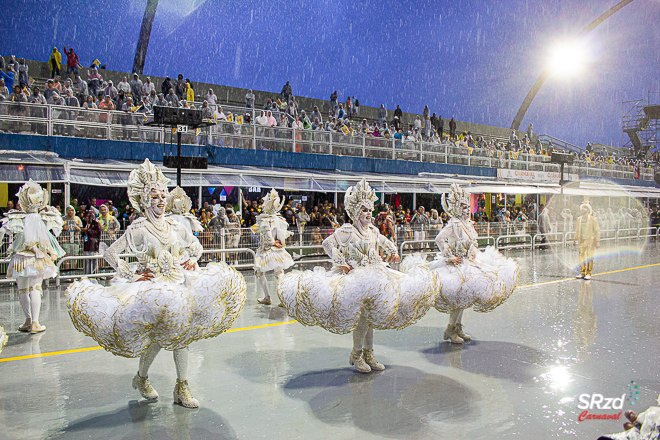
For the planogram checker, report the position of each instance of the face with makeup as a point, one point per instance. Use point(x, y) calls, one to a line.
point(157, 202)
point(365, 218)
point(465, 212)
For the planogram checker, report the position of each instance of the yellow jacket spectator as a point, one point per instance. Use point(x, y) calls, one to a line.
point(54, 62)
point(190, 93)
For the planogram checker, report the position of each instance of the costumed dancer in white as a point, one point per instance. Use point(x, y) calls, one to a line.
point(3, 338)
point(271, 253)
point(361, 293)
point(33, 250)
point(470, 278)
point(178, 209)
point(163, 301)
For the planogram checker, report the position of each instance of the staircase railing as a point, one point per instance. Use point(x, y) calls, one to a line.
point(545, 139)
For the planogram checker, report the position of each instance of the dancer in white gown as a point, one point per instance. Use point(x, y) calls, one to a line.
point(34, 249)
point(470, 278)
point(178, 209)
point(3, 338)
point(163, 301)
point(271, 253)
point(361, 293)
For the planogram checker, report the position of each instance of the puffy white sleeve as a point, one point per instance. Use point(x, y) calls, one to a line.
point(111, 255)
point(192, 245)
point(385, 243)
point(53, 220)
point(442, 238)
point(332, 243)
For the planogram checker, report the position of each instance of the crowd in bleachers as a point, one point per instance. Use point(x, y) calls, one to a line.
point(139, 95)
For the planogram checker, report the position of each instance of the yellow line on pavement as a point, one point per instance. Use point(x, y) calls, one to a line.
point(80, 350)
point(254, 327)
point(594, 275)
point(259, 326)
point(630, 268)
point(50, 353)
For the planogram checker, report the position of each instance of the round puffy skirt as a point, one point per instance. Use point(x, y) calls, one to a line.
point(275, 259)
point(127, 317)
point(388, 299)
point(484, 283)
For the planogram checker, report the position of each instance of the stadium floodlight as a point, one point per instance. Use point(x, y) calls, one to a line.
point(515, 125)
point(568, 58)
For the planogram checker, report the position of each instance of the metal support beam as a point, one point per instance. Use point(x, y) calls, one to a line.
point(145, 34)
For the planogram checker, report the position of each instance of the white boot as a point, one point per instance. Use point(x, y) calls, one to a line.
point(357, 360)
point(144, 387)
point(461, 334)
point(450, 333)
point(183, 396)
point(368, 356)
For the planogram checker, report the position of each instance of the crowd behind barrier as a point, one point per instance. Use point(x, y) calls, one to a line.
point(305, 243)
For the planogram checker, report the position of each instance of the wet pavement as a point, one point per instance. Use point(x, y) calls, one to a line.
point(521, 376)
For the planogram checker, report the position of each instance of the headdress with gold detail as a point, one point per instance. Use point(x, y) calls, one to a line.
point(457, 200)
point(32, 197)
point(141, 181)
point(359, 196)
point(272, 203)
point(178, 202)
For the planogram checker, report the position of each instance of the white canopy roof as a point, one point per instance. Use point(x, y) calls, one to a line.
point(19, 166)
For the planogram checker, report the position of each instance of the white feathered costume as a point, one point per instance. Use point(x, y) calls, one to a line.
point(33, 250)
point(482, 280)
point(361, 292)
point(176, 307)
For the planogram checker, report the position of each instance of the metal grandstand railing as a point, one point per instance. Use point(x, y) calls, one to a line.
point(51, 120)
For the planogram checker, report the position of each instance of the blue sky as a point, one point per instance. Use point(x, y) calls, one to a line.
point(474, 60)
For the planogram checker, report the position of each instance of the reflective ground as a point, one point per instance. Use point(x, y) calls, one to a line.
point(555, 339)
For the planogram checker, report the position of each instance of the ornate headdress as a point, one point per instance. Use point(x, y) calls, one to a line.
point(587, 207)
point(458, 198)
point(32, 197)
point(359, 196)
point(178, 202)
point(141, 181)
point(272, 203)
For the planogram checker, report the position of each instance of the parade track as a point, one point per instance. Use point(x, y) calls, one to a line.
point(554, 339)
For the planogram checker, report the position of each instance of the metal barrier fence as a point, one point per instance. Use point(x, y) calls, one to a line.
point(55, 120)
point(544, 242)
point(237, 247)
point(521, 241)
